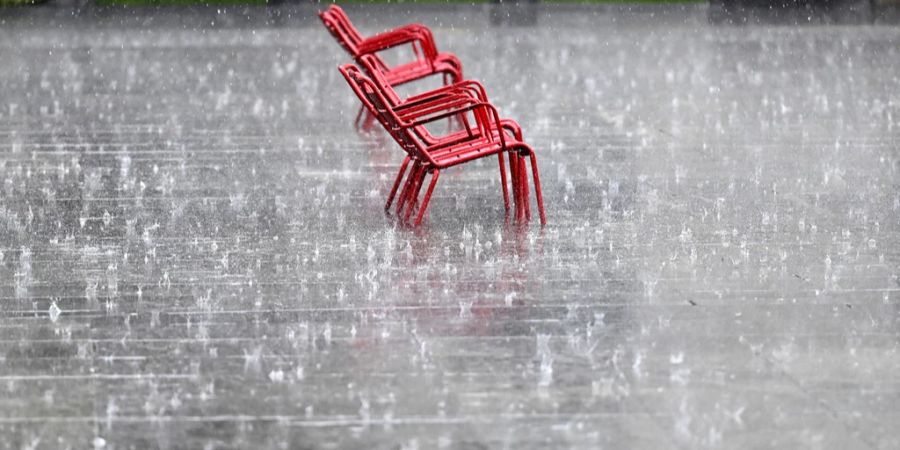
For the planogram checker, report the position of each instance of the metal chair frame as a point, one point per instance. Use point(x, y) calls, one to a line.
point(428, 61)
point(484, 137)
point(441, 99)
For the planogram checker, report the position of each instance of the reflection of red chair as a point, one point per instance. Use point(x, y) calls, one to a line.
point(428, 61)
point(435, 154)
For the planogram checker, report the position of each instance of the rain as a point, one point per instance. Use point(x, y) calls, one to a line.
point(194, 251)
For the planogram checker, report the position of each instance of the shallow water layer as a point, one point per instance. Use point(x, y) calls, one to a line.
point(193, 251)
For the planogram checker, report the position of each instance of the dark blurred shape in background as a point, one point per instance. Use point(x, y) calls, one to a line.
point(793, 12)
point(501, 12)
point(522, 12)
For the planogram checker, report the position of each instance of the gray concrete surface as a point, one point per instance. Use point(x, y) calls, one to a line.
point(193, 254)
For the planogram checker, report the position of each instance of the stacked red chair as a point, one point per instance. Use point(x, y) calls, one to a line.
point(428, 60)
point(483, 133)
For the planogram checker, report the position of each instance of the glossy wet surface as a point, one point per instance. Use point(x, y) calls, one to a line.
point(194, 254)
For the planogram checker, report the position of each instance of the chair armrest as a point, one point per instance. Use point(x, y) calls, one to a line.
point(401, 36)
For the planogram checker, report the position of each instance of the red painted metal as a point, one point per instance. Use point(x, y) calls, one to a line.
point(437, 100)
point(485, 135)
point(422, 104)
point(428, 60)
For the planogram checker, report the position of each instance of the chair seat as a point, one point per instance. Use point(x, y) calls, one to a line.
point(480, 147)
point(459, 137)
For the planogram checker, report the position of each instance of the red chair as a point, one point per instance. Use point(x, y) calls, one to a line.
point(422, 103)
point(483, 140)
point(437, 100)
point(428, 61)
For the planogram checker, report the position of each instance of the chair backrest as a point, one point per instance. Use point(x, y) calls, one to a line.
point(342, 29)
point(380, 107)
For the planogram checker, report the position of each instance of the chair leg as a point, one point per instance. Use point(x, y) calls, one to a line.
point(401, 199)
point(404, 193)
point(503, 181)
point(525, 190)
point(408, 192)
point(387, 206)
point(427, 199)
point(537, 189)
point(414, 194)
point(523, 186)
point(359, 115)
point(514, 174)
point(364, 120)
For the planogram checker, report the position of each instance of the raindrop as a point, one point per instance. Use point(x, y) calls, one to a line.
point(277, 376)
point(54, 312)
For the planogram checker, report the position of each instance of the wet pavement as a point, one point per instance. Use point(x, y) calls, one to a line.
point(193, 252)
